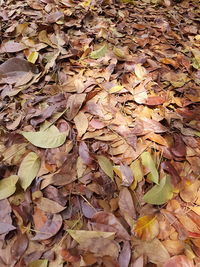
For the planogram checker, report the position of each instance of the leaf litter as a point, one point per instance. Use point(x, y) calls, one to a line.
point(99, 133)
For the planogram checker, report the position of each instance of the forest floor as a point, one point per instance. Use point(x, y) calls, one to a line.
point(100, 133)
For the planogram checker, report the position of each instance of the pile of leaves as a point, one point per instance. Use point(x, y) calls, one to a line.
point(99, 124)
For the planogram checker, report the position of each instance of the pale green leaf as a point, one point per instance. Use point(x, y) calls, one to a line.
point(161, 193)
point(99, 53)
point(50, 138)
point(149, 164)
point(106, 165)
point(28, 169)
point(8, 186)
point(137, 170)
point(38, 263)
point(81, 235)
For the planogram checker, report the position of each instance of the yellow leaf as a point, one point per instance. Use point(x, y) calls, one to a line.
point(115, 89)
point(147, 227)
point(118, 52)
point(33, 57)
point(140, 71)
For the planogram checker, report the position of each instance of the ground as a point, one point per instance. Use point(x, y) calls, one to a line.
point(100, 133)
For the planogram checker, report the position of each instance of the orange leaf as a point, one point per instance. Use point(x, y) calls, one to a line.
point(147, 227)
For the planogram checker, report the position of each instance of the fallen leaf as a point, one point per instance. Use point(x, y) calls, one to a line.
point(50, 228)
point(81, 123)
point(106, 165)
point(28, 169)
point(106, 218)
point(49, 206)
point(99, 53)
point(155, 100)
point(161, 193)
point(126, 175)
point(82, 235)
point(149, 164)
point(125, 255)
point(147, 227)
point(38, 263)
point(13, 70)
point(101, 247)
point(179, 261)
point(84, 153)
point(49, 138)
point(19, 246)
point(33, 56)
point(150, 249)
point(11, 47)
point(140, 72)
point(8, 186)
point(126, 206)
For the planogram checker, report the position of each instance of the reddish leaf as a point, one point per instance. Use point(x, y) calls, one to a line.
point(50, 228)
point(155, 100)
point(169, 168)
point(179, 261)
point(126, 205)
point(19, 246)
point(127, 175)
point(125, 255)
point(179, 149)
point(84, 153)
